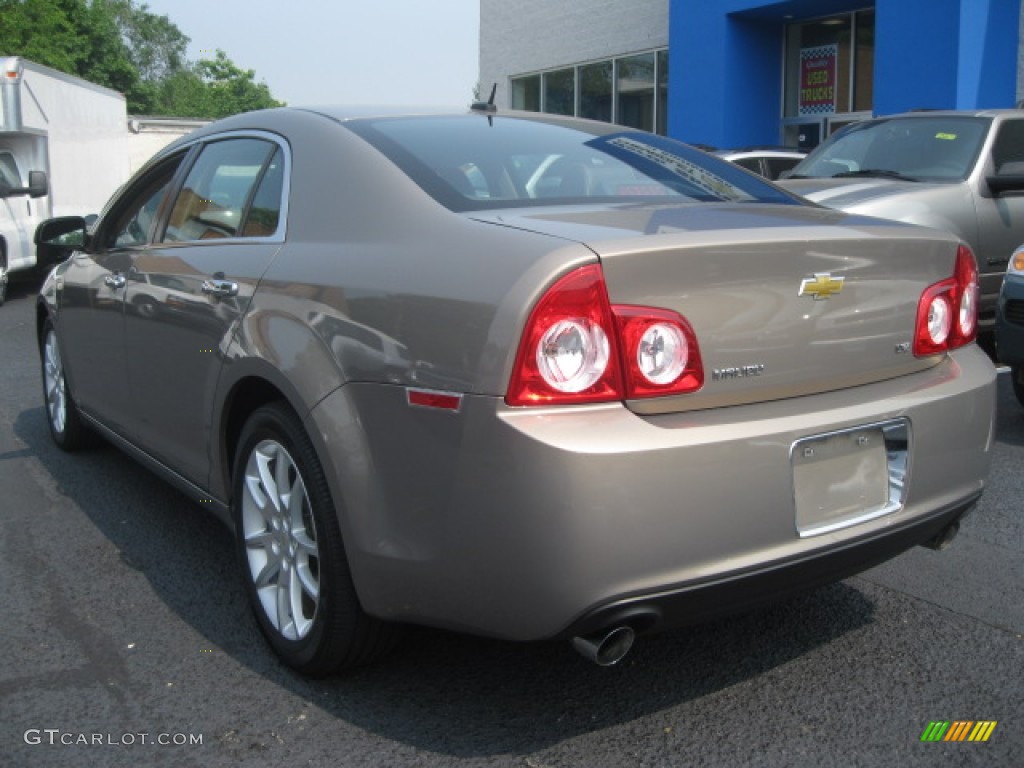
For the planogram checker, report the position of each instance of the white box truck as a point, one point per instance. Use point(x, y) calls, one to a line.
point(63, 152)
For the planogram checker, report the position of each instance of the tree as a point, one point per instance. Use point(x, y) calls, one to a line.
point(123, 46)
point(214, 88)
point(40, 31)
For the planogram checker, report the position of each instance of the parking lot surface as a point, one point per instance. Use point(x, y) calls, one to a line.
point(128, 642)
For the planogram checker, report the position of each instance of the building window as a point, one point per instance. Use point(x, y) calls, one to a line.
point(596, 91)
point(829, 76)
point(631, 90)
point(662, 109)
point(830, 65)
point(635, 83)
point(560, 92)
point(526, 93)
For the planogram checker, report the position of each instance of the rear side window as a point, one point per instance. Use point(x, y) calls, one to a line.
point(217, 190)
point(265, 211)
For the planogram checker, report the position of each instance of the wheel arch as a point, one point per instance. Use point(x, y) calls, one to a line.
point(246, 393)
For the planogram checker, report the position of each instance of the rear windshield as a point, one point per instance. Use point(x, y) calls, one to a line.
point(924, 148)
point(474, 162)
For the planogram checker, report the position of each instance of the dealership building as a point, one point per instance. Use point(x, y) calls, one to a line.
point(733, 73)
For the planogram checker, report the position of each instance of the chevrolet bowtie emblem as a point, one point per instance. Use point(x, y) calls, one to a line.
point(821, 286)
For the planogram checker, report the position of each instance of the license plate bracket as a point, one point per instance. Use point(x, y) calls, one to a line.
point(848, 477)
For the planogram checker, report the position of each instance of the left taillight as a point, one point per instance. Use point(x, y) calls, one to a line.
point(947, 312)
point(579, 348)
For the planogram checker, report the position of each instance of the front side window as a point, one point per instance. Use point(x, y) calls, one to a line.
point(216, 191)
point(9, 173)
point(474, 162)
point(133, 217)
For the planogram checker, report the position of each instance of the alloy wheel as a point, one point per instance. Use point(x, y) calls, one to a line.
point(280, 540)
point(55, 387)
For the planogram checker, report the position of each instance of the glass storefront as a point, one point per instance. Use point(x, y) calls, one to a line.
point(629, 90)
point(829, 76)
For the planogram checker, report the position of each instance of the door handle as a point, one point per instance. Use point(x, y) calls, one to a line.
point(115, 280)
point(220, 288)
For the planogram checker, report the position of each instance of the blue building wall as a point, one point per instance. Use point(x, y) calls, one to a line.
point(726, 60)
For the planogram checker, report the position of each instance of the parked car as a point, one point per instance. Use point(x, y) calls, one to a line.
point(1010, 322)
point(957, 171)
point(770, 162)
point(515, 374)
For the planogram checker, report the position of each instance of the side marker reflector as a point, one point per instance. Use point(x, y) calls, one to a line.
point(430, 399)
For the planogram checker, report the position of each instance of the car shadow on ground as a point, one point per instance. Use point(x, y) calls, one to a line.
point(439, 691)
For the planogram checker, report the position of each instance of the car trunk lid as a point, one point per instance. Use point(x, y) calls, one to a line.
point(785, 300)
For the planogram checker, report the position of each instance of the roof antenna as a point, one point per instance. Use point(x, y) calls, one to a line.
point(486, 106)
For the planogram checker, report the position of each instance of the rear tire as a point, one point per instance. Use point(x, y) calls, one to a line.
point(291, 552)
point(66, 426)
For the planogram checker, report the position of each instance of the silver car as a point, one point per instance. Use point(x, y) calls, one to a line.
point(962, 172)
point(515, 374)
point(770, 162)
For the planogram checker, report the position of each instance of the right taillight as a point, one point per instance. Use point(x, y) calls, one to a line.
point(947, 312)
point(579, 348)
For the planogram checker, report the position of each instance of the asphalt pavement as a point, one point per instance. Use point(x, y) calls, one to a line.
point(127, 641)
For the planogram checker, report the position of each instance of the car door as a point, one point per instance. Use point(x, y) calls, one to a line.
point(187, 291)
point(17, 218)
point(92, 291)
point(1000, 219)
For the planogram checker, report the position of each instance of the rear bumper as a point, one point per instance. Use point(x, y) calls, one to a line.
point(529, 523)
point(702, 601)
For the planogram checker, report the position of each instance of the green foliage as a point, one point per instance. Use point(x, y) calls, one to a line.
point(121, 45)
point(215, 88)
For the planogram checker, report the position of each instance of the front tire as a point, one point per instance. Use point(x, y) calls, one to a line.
point(291, 552)
point(66, 426)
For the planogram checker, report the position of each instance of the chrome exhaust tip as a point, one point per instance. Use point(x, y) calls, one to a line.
point(605, 648)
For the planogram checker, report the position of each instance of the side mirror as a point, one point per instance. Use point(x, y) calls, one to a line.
point(38, 186)
point(1010, 178)
point(56, 239)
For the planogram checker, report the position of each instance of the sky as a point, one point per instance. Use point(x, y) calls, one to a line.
point(411, 52)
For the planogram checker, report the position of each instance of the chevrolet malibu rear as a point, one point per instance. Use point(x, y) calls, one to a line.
point(531, 377)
